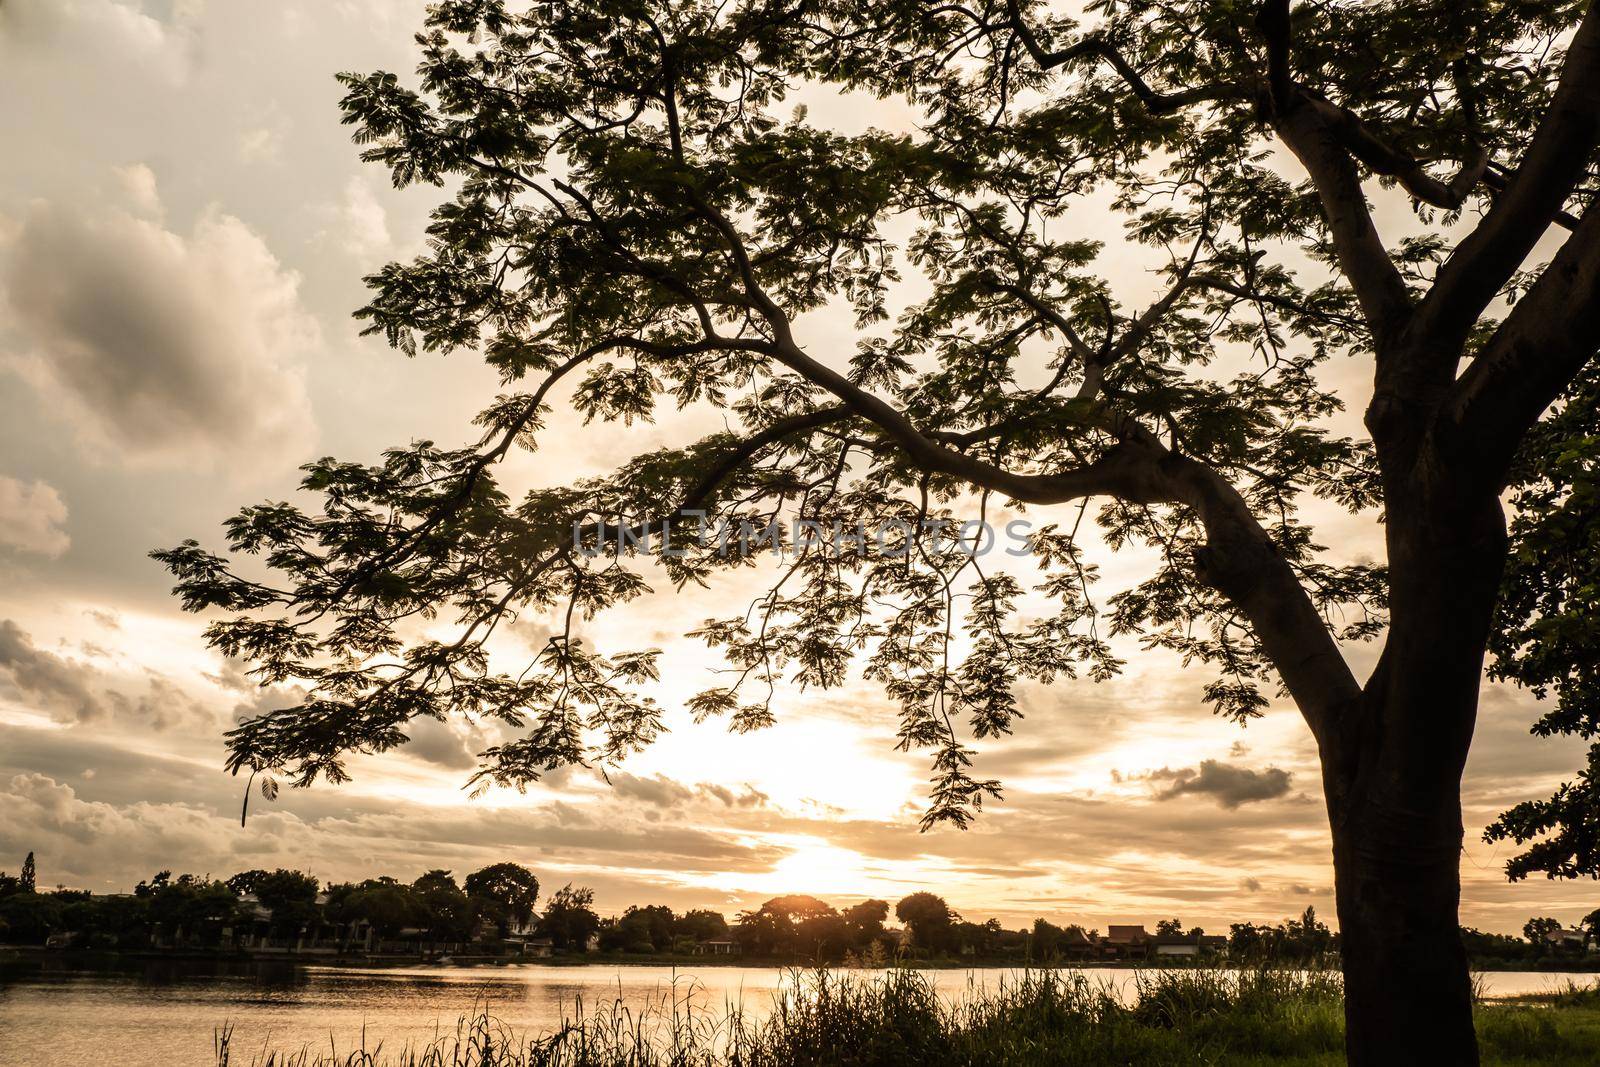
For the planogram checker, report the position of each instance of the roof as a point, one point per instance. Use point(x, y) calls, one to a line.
point(1126, 933)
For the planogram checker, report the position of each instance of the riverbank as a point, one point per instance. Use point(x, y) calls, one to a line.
point(23, 953)
point(1041, 1019)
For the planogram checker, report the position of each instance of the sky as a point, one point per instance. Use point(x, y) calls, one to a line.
point(184, 227)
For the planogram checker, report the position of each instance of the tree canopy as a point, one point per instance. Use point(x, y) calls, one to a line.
point(639, 217)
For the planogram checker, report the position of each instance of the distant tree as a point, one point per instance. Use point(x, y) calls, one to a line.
point(570, 919)
point(1538, 929)
point(793, 925)
point(245, 881)
point(30, 917)
point(1499, 947)
point(9, 884)
point(977, 938)
point(1590, 924)
point(188, 908)
point(930, 919)
point(388, 905)
point(111, 922)
point(291, 897)
point(646, 929)
point(863, 922)
point(29, 877)
point(1169, 927)
point(154, 884)
point(447, 909)
point(1046, 940)
point(503, 893)
point(701, 925)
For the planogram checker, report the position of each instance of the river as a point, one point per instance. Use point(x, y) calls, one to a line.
point(164, 1013)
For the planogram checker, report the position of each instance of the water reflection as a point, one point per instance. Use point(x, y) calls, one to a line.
point(159, 1012)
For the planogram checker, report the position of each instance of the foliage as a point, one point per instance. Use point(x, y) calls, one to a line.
point(635, 218)
point(930, 920)
point(290, 896)
point(569, 919)
point(1173, 1019)
point(1548, 637)
point(503, 893)
point(1304, 939)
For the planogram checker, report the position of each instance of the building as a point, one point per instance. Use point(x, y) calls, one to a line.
point(717, 947)
point(1125, 943)
point(1175, 946)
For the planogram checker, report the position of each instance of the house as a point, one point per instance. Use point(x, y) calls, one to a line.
point(1076, 945)
point(1125, 942)
point(1176, 946)
point(717, 947)
point(1567, 940)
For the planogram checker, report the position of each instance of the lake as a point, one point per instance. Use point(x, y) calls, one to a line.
point(163, 1013)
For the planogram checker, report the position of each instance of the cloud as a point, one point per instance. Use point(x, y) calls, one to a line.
point(163, 349)
point(661, 791)
point(1230, 784)
point(32, 518)
point(122, 29)
point(360, 223)
point(56, 684)
point(137, 184)
point(72, 691)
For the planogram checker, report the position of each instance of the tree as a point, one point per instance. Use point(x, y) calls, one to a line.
point(930, 919)
point(1169, 928)
point(29, 917)
point(569, 920)
point(447, 910)
point(1538, 930)
point(291, 897)
point(186, 908)
point(503, 893)
point(793, 925)
point(633, 223)
point(700, 924)
point(1591, 927)
point(386, 904)
point(864, 923)
point(641, 929)
point(28, 877)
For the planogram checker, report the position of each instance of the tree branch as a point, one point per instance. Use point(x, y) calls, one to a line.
point(1377, 282)
point(1550, 335)
point(1157, 103)
point(1532, 199)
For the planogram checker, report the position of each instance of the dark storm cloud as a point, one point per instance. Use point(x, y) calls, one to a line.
point(1230, 784)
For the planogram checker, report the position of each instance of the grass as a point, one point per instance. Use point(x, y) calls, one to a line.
point(1043, 1019)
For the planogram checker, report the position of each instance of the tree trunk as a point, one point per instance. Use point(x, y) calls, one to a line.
point(1393, 783)
point(1408, 996)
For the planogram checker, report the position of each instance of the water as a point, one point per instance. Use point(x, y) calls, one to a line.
point(164, 1013)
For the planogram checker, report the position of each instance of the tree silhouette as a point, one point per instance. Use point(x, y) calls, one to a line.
point(29, 876)
point(930, 919)
point(503, 892)
point(635, 222)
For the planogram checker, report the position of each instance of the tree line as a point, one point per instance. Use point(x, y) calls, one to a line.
point(500, 903)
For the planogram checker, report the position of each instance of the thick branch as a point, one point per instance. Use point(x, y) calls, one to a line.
point(1550, 335)
point(1532, 199)
point(1293, 114)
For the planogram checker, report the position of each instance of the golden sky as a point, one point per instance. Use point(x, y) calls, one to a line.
point(183, 229)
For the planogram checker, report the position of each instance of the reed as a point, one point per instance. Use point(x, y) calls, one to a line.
point(898, 1019)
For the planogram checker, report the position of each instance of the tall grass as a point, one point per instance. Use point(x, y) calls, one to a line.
point(898, 1019)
